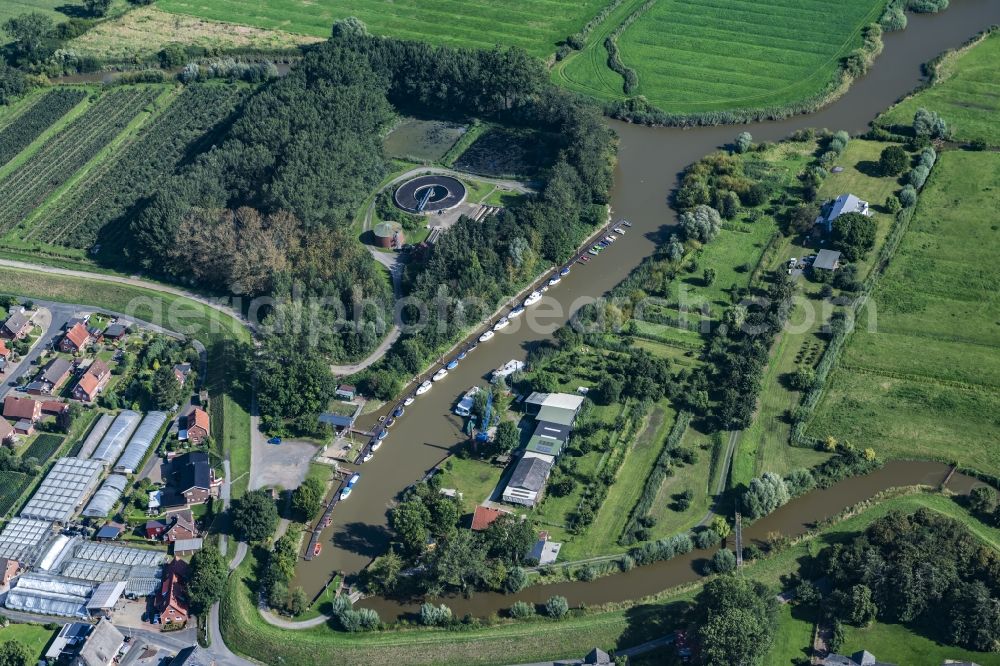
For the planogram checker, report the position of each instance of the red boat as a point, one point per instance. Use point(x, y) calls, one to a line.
point(317, 549)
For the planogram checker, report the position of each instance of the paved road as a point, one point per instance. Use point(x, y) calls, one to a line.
point(51, 323)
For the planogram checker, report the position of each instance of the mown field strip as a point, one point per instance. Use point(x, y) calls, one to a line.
point(536, 25)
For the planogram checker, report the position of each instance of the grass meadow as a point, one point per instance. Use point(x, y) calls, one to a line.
point(707, 56)
point(967, 94)
point(535, 25)
point(926, 380)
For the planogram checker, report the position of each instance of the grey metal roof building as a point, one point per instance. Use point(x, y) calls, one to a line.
point(96, 435)
point(106, 595)
point(827, 260)
point(140, 443)
point(22, 539)
point(528, 480)
point(106, 497)
point(65, 487)
point(118, 434)
point(141, 569)
point(49, 595)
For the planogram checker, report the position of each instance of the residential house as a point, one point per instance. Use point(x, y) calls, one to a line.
point(192, 479)
point(6, 432)
point(198, 425)
point(116, 331)
point(171, 600)
point(16, 407)
point(93, 381)
point(5, 352)
point(484, 516)
point(845, 203)
point(828, 260)
point(102, 645)
point(17, 326)
point(8, 569)
point(155, 528)
point(53, 376)
point(179, 525)
point(549, 438)
point(76, 339)
point(558, 408)
point(859, 658)
point(544, 551)
point(181, 372)
point(527, 483)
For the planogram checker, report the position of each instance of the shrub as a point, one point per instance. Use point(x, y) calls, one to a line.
point(706, 538)
point(908, 197)
point(556, 607)
point(744, 141)
point(586, 573)
point(926, 6)
point(893, 160)
point(918, 176)
point(434, 616)
point(516, 579)
point(765, 494)
point(799, 481)
point(929, 124)
point(522, 610)
point(723, 561)
point(892, 204)
point(626, 563)
point(757, 194)
point(928, 156)
point(701, 223)
point(893, 19)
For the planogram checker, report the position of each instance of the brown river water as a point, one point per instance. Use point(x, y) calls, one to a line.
point(649, 161)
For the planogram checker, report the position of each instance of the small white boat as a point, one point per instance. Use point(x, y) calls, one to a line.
point(368, 456)
point(440, 374)
point(619, 231)
point(345, 493)
point(533, 298)
point(516, 312)
point(353, 480)
point(554, 280)
point(507, 369)
point(377, 445)
point(593, 252)
point(409, 400)
point(486, 336)
point(464, 406)
point(564, 272)
point(610, 238)
point(502, 324)
point(626, 223)
point(424, 388)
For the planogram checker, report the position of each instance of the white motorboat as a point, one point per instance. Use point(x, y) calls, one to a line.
point(507, 369)
point(424, 388)
point(377, 445)
point(409, 400)
point(554, 280)
point(533, 298)
point(345, 493)
point(486, 336)
point(619, 231)
point(464, 406)
point(502, 324)
point(368, 456)
point(516, 312)
point(440, 374)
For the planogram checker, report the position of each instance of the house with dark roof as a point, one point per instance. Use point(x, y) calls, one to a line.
point(16, 327)
point(827, 260)
point(93, 381)
point(180, 526)
point(527, 483)
point(192, 656)
point(859, 658)
point(53, 376)
point(346, 392)
point(171, 599)
point(181, 372)
point(102, 645)
point(18, 408)
point(549, 438)
point(76, 339)
point(192, 480)
point(116, 331)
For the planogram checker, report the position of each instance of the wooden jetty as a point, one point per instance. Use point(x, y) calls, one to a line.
point(327, 516)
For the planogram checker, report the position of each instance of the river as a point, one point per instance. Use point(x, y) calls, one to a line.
point(649, 161)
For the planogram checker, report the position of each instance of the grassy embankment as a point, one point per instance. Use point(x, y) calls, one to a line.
point(698, 57)
point(217, 331)
point(534, 25)
point(965, 94)
point(924, 380)
point(537, 640)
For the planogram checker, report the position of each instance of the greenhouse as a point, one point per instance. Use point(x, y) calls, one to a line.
point(106, 497)
point(140, 443)
point(141, 569)
point(49, 595)
point(68, 483)
point(21, 539)
point(96, 435)
point(116, 437)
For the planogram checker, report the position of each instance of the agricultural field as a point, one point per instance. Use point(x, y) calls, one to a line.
point(42, 111)
point(43, 447)
point(143, 31)
point(55, 162)
point(90, 210)
point(534, 25)
point(920, 375)
point(693, 57)
point(12, 484)
point(966, 94)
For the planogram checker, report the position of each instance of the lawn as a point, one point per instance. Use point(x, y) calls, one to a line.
point(695, 57)
point(474, 479)
point(967, 94)
point(535, 25)
point(921, 376)
point(699, 478)
point(34, 636)
point(793, 638)
point(896, 644)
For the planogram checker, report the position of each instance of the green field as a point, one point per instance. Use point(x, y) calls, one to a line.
point(967, 94)
point(535, 25)
point(724, 54)
point(921, 375)
point(35, 637)
point(12, 484)
point(43, 447)
point(12, 8)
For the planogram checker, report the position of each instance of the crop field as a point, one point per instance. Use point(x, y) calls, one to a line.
point(12, 484)
point(109, 189)
point(696, 56)
point(967, 94)
point(68, 151)
point(43, 447)
point(534, 25)
point(921, 374)
point(29, 125)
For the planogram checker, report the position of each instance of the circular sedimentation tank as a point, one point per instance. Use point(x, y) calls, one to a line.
point(430, 194)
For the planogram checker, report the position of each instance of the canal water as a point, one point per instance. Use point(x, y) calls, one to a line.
point(649, 161)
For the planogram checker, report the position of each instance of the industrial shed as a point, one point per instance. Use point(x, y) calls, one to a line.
point(105, 499)
point(113, 442)
point(22, 539)
point(140, 443)
point(49, 595)
point(65, 487)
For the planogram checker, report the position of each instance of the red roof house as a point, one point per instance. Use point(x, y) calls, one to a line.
point(54, 407)
point(15, 407)
point(171, 600)
point(484, 516)
point(154, 528)
point(76, 338)
point(6, 431)
point(92, 382)
point(198, 425)
point(4, 351)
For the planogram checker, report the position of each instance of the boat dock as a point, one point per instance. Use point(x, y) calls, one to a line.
point(327, 516)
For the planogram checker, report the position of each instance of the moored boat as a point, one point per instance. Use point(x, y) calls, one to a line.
point(554, 280)
point(564, 272)
point(619, 231)
point(464, 406)
point(452, 364)
point(345, 493)
point(507, 369)
point(377, 445)
point(399, 411)
point(424, 388)
point(516, 312)
point(317, 549)
point(382, 435)
point(592, 251)
point(390, 422)
point(533, 298)
point(368, 456)
point(502, 324)
point(486, 335)
point(440, 374)
point(409, 400)
point(462, 354)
